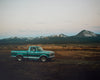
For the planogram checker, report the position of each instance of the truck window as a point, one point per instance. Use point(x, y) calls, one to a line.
point(33, 49)
point(39, 49)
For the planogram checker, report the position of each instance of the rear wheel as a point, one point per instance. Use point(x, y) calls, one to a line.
point(43, 59)
point(19, 58)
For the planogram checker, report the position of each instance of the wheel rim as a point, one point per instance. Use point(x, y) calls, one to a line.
point(43, 59)
point(19, 59)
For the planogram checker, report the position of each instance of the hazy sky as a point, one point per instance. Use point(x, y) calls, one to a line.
point(48, 17)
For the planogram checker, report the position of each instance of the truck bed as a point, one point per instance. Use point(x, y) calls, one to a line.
point(19, 51)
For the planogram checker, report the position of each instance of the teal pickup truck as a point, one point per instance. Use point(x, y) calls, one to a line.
point(33, 53)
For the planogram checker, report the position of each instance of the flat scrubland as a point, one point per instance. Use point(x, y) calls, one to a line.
point(73, 62)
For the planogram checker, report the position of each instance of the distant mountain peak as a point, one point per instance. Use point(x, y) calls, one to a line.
point(86, 33)
point(62, 35)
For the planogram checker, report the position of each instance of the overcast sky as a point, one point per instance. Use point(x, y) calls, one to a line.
point(48, 17)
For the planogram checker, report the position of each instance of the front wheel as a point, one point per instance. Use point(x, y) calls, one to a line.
point(43, 59)
point(19, 58)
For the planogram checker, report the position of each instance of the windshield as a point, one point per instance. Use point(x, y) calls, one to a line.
point(39, 49)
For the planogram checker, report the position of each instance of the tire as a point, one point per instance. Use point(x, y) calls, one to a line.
point(43, 59)
point(19, 58)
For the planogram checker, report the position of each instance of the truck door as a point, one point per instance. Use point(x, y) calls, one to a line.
point(33, 53)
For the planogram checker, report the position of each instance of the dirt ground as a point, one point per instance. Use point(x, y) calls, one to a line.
point(65, 67)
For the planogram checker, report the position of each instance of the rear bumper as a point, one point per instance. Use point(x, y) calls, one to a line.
point(12, 56)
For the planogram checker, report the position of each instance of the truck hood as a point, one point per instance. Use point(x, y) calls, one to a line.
point(47, 52)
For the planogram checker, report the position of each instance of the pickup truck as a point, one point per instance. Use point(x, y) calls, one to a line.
point(33, 53)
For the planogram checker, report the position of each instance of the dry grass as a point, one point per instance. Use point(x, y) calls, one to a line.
point(68, 51)
point(84, 55)
point(54, 47)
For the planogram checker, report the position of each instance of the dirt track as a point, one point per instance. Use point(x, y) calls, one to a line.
point(60, 69)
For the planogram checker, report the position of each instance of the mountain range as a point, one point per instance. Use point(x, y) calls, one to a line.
point(83, 33)
point(84, 36)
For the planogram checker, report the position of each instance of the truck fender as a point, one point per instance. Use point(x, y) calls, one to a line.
point(44, 56)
